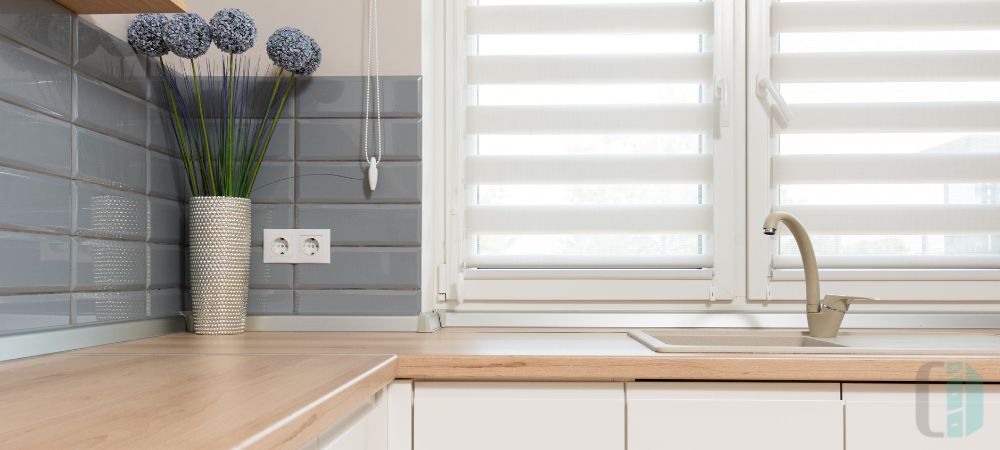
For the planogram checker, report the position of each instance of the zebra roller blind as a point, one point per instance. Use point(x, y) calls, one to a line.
point(589, 134)
point(892, 159)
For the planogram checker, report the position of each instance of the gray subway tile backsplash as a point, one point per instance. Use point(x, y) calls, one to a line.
point(45, 26)
point(99, 235)
point(111, 213)
point(269, 276)
point(343, 139)
point(164, 302)
point(363, 224)
point(165, 266)
point(271, 301)
point(281, 147)
point(109, 59)
point(33, 80)
point(398, 182)
point(167, 178)
point(265, 215)
point(34, 141)
point(160, 131)
point(166, 221)
point(34, 263)
point(355, 302)
point(363, 267)
point(28, 312)
point(107, 109)
point(104, 265)
point(102, 159)
point(337, 97)
point(275, 183)
point(108, 306)
point(34, 202)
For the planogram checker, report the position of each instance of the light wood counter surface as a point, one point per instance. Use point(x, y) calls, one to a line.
point(523, 355)
point(181, 401)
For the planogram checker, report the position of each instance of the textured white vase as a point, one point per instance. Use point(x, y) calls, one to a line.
point(219, 234)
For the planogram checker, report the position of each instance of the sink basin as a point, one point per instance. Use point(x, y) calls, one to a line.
point(744, 341)
point(786, 341)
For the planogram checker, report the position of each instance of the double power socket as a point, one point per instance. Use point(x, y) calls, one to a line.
point(296, 246)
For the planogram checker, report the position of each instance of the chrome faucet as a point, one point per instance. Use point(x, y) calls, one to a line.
point(824, 317)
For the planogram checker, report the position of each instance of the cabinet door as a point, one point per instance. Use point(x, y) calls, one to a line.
point(364, 428)
point(723, 416)
point(881, 416)
point(518, 415)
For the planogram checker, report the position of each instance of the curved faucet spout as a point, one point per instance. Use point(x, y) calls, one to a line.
point(805, 248)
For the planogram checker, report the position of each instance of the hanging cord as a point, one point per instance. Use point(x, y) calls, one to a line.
point(373, 30)
point(307, 175)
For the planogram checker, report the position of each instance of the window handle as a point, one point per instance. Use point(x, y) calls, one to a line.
point(722, 93)
point(765, 86)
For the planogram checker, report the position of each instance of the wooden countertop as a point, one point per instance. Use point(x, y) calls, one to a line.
point(521, 355)
point(279, 390)
point(182, 401)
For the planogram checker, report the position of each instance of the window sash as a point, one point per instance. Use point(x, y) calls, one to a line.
point(701, 68)
point(893, 277)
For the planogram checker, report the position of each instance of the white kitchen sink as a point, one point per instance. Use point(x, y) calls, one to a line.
point(779, 341)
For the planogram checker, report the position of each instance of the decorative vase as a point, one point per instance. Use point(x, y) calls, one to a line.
point(219, 231)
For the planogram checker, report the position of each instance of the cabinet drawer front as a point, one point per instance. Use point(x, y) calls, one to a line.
point(880, 416)
point(731, 424)
point(664, 415)
point(523, 416)
point(892, 424)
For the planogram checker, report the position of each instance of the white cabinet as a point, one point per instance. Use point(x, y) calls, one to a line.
point(382, 422)
point(518, 415)
point(717, 416)
point(881, 416)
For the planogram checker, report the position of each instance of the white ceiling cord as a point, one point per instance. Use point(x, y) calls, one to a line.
point(373, 36)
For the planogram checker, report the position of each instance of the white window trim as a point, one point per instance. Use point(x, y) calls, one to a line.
point(747, 285)
point(724, 283)
point(963, 290)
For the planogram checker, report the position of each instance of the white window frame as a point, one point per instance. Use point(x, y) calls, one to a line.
point(951, 290)
point(743, 281)
point(564, 290)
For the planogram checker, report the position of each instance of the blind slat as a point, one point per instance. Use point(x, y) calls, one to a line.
point(950, 220)
point(590, 69)
point(583, 260)
point(695, 17)
point(962, 261)
point(891, 117)
point(886, 15)
point(588, 219)
point(885, 66)
point(887, 168)
point(588, 169)
point(590, 119)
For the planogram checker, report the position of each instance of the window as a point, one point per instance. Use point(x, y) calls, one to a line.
point(587, 150)
point(607, 155)
point(892, 159)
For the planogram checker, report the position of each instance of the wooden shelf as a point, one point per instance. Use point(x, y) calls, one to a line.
point(124, 6)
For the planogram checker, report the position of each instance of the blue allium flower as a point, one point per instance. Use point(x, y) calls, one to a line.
point(313, 62)
point(145, 35)
point(289, 49)
point(233, 31)
point(187, 35)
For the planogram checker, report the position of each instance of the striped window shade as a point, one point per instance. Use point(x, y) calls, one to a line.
point(892, 159)
point(589, 134)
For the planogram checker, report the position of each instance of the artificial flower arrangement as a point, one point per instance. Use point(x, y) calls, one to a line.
point(223, 118)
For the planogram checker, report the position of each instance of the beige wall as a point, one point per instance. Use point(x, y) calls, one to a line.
point(339, 26)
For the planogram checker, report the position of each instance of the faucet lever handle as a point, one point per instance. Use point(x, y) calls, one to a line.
point(840, 303)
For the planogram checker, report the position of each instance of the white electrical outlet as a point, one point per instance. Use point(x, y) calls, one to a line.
point(296, 246)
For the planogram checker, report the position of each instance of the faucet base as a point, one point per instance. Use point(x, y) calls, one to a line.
point(825, 323)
